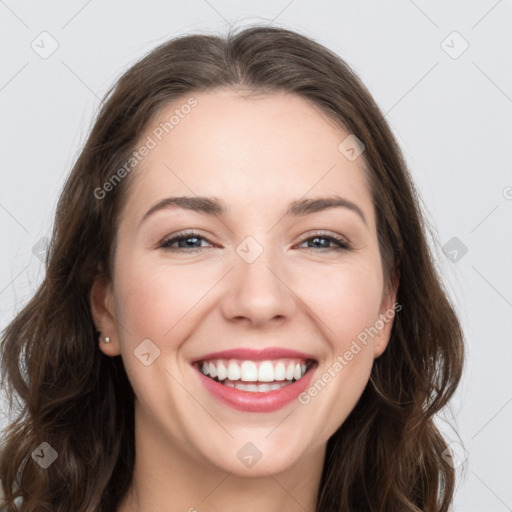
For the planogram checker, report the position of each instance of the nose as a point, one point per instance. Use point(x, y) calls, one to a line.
point(258, 293)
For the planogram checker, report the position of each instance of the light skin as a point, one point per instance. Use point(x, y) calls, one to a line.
point(256, 154)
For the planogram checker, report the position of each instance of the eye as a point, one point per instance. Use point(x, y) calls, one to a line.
point(322, 241)
point(192, 242)
point(189, 242)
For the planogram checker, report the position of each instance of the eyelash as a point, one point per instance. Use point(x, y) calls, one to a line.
point(343, 245)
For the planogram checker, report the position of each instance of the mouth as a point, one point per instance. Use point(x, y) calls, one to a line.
point(255, 381)
point(255, 376)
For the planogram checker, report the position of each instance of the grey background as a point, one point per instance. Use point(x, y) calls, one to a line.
point(451, 112)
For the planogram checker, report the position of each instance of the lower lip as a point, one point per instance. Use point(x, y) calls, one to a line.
point(248, 401)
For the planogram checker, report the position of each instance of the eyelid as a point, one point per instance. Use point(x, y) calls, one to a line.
point(342, 240)
point(190, 233)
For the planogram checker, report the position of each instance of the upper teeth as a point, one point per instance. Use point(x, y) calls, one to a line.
point(254, 371)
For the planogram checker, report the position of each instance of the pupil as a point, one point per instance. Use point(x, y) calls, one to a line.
point(317, 239)
point(186, 241)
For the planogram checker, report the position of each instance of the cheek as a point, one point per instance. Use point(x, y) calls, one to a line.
point(162, 302)
point(345, 300)
point(156, 300)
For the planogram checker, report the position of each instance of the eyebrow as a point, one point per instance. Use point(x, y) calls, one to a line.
point(216, 207)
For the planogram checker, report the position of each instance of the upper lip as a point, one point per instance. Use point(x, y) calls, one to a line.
point(253, 354)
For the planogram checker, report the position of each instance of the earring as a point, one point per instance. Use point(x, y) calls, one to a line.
point(106, 339)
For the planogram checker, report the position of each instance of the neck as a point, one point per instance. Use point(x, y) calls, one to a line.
point(165, 473)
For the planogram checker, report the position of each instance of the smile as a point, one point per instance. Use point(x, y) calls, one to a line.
point(255, 376)
point(255, 381)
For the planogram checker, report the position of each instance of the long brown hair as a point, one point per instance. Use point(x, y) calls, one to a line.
point(388, 454)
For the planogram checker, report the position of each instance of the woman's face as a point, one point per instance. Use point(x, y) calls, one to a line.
point(246, 276)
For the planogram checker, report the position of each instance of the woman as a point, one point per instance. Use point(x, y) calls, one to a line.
point(240, 309)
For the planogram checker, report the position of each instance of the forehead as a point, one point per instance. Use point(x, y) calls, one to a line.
point(254, 151)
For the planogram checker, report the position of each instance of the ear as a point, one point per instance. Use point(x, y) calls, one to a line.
point(388, 309)
point(103, 312)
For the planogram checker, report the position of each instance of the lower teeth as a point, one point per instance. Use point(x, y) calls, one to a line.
point(253, 387)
